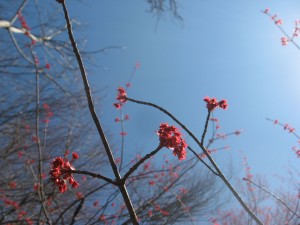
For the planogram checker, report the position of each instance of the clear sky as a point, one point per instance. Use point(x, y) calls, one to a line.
point(223, 49)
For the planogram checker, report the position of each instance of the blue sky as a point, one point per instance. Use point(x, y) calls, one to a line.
point(223, 49)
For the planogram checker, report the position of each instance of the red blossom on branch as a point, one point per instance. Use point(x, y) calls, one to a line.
point(121, 97)
point(67, 152)
point(59, 176)
point(152, 182)
point(79, 195)
point(75, 155)
point(47, 66)
point(238, 132)
point(48, 111)
point(23, 23)
point(170, 137)
point(284, 41)
point(96, 203)
point(123, 133)
point(12, 185)
point(137, 65)
point(34, 139)
point(117, 105)
point(102, 218)
point(279, 22)
point(267, 10)
point(223, 104)
point(212, 103)
point(20, 154)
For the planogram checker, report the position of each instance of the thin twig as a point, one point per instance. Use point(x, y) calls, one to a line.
point(135, 166)
point(79, 207)
point(122, 140)
point(281, 124)
point(205, 127)
point(99, 176)
point(40, 154)
point(70, 206)
point(107, 148)
point(200, 159)
point(184, 207)
point(274, 196)
point(18, 48)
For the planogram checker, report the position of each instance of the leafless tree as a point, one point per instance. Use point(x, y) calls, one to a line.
point(44, 114)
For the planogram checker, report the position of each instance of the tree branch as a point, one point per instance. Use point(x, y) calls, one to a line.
point(122, 188)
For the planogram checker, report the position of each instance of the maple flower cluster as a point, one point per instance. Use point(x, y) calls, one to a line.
point(58, 174)
point(170, 137)
point(121, 97)
point(212, 103)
